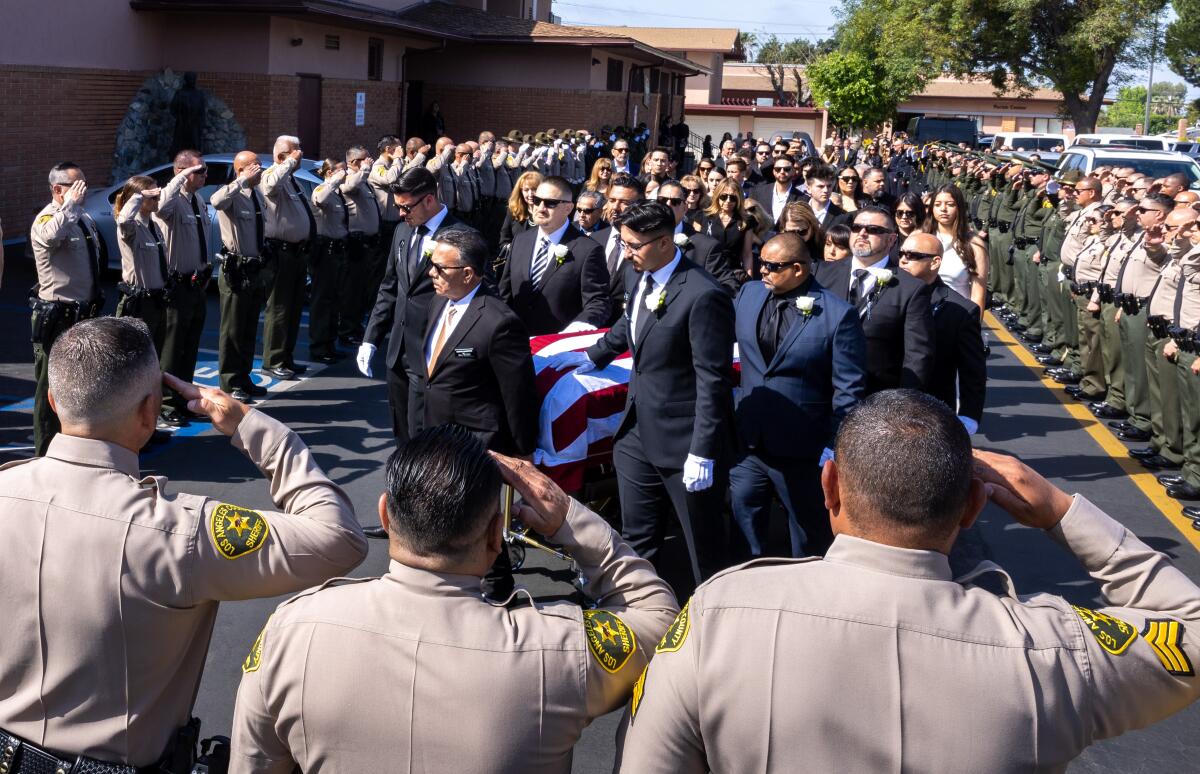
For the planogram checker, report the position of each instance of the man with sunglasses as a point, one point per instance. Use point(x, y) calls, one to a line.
point(674, 440)
point(892, 305)
point(803, 358)
point(620, 157)
point(555, 279)
point(589, 212)
point(183, 218)
point(776, 195)
point(404, 297)
point(623, 192)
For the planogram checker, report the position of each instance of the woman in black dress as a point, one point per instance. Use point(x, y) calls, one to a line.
point(725, 220)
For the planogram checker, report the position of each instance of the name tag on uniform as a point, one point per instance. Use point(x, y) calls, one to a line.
point(465, 352)
point(151, 244)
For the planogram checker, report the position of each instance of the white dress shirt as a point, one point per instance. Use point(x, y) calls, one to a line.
point(660, 276)
point(460, 308)
point(554, 237)
point(433, 224)
point(779, 201)
point(821, 213)
point(876, 269)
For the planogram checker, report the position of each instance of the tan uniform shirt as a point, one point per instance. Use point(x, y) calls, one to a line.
point(239, 211)
point(876, 660)
point(456, 684)
point(1076, 234)
point(329, 207)
point(178, 214)
point(1189, 309)
point(286, 210)
point(381, 178)
point(361, 203)
point(1118, 253)
point(1089, 263)
point(1139, 274)
point(65, 267)
point(111, 583)
point(142, 250)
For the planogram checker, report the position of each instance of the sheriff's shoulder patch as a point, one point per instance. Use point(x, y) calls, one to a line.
point(1113, 634)
point(638, 688)
point(1166, 638)
point(677, 633)
point(1046, 204)
point(609, 639)
point(254, 657)
point(380, 169)
point(44, 218)
point(237, 531)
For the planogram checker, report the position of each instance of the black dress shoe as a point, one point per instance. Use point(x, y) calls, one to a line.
point(1121, 426)
point(1184, 491)
point(1042, 349)
point(299, 369)
point(1077, 393)
point(241, 395)
point(1134, 435)
point(1049, 360)
point(350, 341)
point(175, 418)
point(1068, 378)
point(1159, 462)
point(1146, 452)
point(256, 391)
point(378, 533)
point(1031, 338)
point(1192, 512)
point(1105, 411)
point(328, 359)
point(1170, 479)
point(284, 374)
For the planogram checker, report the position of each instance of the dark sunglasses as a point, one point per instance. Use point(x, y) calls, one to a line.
point(870, 229)
point(692, 191)
point(551, 203)
point(443, 270)
point(913, 255)
point(905, 214)
point(620, 150)
point(671, 201)
point(586, 210)
point(775, 267)
point(784, 169)
point(727, 198)
point(848, 178)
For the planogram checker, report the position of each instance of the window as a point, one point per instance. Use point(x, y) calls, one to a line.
point(655, 81)
point(374, 59)
point(333, 42)
point(1048, 125)
point(637, 79)
point(616, 74)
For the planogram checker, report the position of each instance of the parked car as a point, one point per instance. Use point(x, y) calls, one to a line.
point(99, 204)
point(1029, 142)
point(810, 148)
point(1142, 141)
point(927, 129)
point(1153, 163)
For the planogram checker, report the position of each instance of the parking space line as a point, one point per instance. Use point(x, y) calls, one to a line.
point(1143, 479)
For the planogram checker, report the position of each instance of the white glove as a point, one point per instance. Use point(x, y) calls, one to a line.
point(971, 425)
point(697, 473)
point(826, 456)
point(567, 361)
point(365, 353)
point(578, 326)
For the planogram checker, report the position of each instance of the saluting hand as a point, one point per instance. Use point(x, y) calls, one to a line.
point(225, 412)
point(1019, 489)
point(545, 504)
point(76, 193)
point(250, 173)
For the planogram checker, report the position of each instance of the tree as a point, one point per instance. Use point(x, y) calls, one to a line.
point(1183, 41)
point(1074, 45)
point(783, 59)
point(1129, 110)
point(852, 88)
point(746, 44)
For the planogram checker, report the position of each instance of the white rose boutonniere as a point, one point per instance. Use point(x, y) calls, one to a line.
point(682, 242)
point(883, 277)
point(430, 246)
point(657, 300)
point(805, 304)
point(560, 254)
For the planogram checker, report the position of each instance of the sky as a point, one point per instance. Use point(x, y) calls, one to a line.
point(811, 19)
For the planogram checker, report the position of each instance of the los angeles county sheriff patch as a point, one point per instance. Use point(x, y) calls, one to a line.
point(1113, 634)
point(254, 657)
point(237, 531)
point(609, 639)
point(677, 633)
point(638, 689)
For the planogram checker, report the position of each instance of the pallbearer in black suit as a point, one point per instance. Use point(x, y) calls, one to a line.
point(892, 305)
point(959, 366)
point(405, 293)
point(555, 278)
point(803, 358)
point(675, 437)
point(623, 192)
point(476, 370)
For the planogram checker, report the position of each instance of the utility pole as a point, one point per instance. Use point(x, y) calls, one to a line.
point(1150, 82)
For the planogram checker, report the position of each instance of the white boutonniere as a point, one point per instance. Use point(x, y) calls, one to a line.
point(883, 277)
point(657, 300)
point(427, 252)
point(682, 242)
point(805, 305)
point(560, 254)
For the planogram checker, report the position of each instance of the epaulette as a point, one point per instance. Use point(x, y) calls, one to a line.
point(327, 585)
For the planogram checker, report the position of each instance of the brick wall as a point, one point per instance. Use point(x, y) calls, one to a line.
point(338, 131)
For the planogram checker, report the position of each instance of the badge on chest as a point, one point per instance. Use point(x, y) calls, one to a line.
point(466, 353)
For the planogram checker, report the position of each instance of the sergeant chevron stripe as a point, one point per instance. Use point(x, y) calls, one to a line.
point(1166, 637)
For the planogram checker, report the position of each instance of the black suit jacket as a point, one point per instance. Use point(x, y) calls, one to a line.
point(846, 157)
point(403, 298)
point(835, 215)
point(575, 290)
point(764, 194)
point(681, 382)
point(959, 361)
point(483, 378)
point(899, 327)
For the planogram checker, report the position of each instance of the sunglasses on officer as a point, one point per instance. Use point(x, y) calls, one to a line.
point(772, 268)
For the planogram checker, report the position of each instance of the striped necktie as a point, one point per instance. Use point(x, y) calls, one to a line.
point(541, 261)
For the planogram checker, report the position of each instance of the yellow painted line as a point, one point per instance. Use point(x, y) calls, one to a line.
point(1104, 437)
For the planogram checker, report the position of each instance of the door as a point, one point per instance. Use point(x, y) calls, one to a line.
point(414, 110)
point(308, 115)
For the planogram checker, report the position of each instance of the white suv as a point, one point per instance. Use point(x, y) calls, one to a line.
point(1029, 142)
point(1145, 142)
point(1152, 163)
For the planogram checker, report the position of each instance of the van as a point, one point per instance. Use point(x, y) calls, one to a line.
point(923, 130)
point(1029, 142)
point(1143, 141)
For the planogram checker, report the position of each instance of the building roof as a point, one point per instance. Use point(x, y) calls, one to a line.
point(754, 77)
point(980, 88)
point(714, 39)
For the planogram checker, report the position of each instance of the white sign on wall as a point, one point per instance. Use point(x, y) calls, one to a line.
point(360, 108)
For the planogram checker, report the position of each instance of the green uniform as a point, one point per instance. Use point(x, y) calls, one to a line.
point(1187, 302)
point(1054, 316)
point(245, 278)
point(290, 229)
point(1026, 277)
point(1000, 239)
point(1137, 281)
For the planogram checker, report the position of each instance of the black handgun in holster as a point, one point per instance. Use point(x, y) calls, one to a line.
point(1158, 325)
point(1106, 293)
point(214, 756)
point(181, 752)
point(1068, 273)
point(1012, 250)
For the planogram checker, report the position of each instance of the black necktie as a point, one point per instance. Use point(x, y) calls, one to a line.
point(200, 230)
point(614, 257)
point(162, 252)
point(312, 221)
point(345, 210)
point(856, 287)
point(258, 222)
point(414, 251)
point(1179, 295)
point(89, 238)
point(644, 314)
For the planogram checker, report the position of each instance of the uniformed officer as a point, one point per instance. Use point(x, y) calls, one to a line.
point(291, 230)
point(999, 225)
point(69, 254)
point(458, 683)
point(1027, 228)
point(183, 218)
point(143, 256)
point(354, 295)
point(1077, 230)
point(112, 582)
point(247, 273)
point(1048, 257)
point(329, 253)
point(878, 659)
point(1186, 341)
